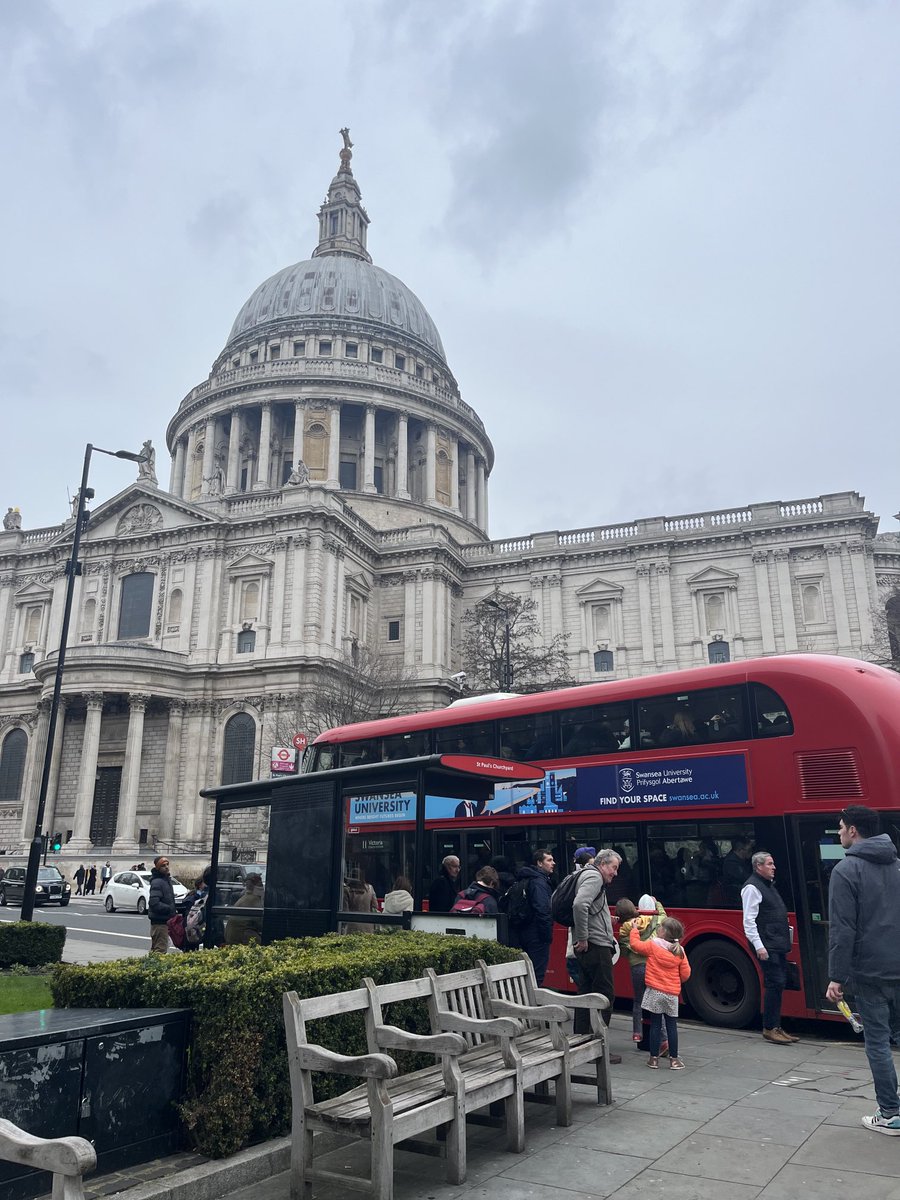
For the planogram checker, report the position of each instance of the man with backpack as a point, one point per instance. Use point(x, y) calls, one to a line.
point(528, 911)
point(482, 897)
point(593, 938)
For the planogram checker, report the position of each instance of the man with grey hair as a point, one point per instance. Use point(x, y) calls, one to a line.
point(768, 932)
point(593, 939)
point(443, 891)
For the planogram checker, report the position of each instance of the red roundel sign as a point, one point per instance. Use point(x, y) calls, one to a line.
point(299, 741)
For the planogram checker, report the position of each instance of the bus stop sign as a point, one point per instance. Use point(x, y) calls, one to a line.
point(284, 760)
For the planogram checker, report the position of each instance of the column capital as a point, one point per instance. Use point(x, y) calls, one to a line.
point(176, 706)
point(265, 405)
point(371, 409)
point(94, 700)
point(44, 705)
point(760, 557)
point(138, 701)
point(782, 555)
point(832, 549)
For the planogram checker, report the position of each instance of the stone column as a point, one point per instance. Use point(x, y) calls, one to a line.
point(857, 551)
point(281, 548)
point(298, 585)
point(87, 773)
point(734, 610)
point(166, 830)
point(430, 465)
point(125, 842)
point(471, 513)
point(454, 475)
point(646, 609)
point(312, 589)
point(665, 614)
point(409, 620)
point(764, 599)
point(299, 418)
point(209, 456)
point(481, 496)
point(839, 596)
point(340, 597)
point(55, 761)
point(265, 447)
point(233, 476)
point(193, 434)
point(176, 485)
point(31, 788)
point(786, 600)
point(369, 451)
point(428, 619)
point(334, 447)
point(402, 456)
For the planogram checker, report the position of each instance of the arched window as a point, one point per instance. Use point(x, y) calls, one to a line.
point(246, 641)
point(813, 612)
point(603, 660)
point(32, 625)
point(715, 611)
point(719, 652)
point(174, 617)
point(12, 765)
point(136, 605)
point(601, 622)
point(239, 744)
point(250, 601)
point(88, 613)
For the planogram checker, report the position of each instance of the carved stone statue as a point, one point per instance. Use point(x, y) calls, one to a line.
point(299, 475)
point(140, 518)
point(147, 468)
point(347, 153)
point(13, 519)
point(216, 481)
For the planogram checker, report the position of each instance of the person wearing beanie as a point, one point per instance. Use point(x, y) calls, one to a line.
point(646, 917)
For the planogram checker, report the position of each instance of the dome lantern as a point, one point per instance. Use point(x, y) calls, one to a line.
point(343, 221)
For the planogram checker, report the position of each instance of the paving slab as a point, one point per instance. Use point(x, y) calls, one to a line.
point(594, 1172)
point(851, 1112)
point(710, 1081)
point(625, 1133)
point(654, 1184)
point(816, 1183)
point(731, 1160)
point(658, 1103)
point(763, 1125)
point(836, 1147)
point(790, 1100)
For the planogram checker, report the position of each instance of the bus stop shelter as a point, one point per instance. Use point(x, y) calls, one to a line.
point(293, 831)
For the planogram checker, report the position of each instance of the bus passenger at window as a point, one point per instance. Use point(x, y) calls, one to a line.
point(682, 731)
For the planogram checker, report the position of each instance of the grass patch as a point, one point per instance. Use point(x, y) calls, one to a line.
point(24, 993)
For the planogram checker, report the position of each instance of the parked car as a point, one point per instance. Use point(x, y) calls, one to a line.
point(230, 879)
point(131, 889)
point(51, 887)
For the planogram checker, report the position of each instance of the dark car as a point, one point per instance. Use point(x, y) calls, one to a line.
point(51, 887)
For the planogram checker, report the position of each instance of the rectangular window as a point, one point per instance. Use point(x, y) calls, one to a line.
point(527, 739)
point(324, 349)
point(407, 745)
point(299, 349)
point(136, 605)
point(629, 881)
point(466, 739)
point(246, 641)
point(235, 362)
point(420, 371)
point(400, 362)
point(26, 663)
point(378, 478)
point(693, 718)
point(603, 661)
point(393, 631)
point(347, 476)
point(598, 729)
point(376, 354)
point(351, 350)
point(254, 356)
point(274, 352)
point(354, 754)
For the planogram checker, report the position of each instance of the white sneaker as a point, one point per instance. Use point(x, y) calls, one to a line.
point(888, 1125)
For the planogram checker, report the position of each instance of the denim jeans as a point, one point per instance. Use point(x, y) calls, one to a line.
point(879, 1007)
point(638, 973)
point(774, 978)
point(656, 1022)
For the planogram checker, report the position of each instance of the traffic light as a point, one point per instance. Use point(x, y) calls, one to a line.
point(57, 843)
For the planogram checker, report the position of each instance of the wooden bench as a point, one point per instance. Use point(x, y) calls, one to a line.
point(391, 1107)
point(68, 1158)
point(513, 992)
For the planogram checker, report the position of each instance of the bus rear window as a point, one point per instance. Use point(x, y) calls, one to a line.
point(772, 716)
point(465, 739)
point(693, 718)
point(600, 729)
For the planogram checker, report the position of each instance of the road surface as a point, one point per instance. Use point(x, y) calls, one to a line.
point(94, 935)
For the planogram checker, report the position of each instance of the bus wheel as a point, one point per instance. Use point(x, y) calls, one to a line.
point(723, 988)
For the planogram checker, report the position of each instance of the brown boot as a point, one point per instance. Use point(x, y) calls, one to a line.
point(776, 1036)
point(784, 1033)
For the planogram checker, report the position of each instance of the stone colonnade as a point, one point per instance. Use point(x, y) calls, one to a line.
point(221, 472)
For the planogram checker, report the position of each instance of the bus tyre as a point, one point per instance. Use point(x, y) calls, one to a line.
point(724, 987)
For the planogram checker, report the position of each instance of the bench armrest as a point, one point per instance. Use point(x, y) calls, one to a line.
point(499, 1026)
point(63, 1156)
point(389, 1037)
point(587, 1000)
point(317, 1058)
point(530, 1012)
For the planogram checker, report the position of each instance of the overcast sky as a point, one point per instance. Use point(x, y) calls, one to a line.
point(659, 238)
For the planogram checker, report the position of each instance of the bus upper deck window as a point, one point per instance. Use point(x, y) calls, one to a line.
point(406, 745)
point(600, 729)
point(355, 754)
point(527, 738)
point(694, 718)
point(772, 716)
point(465, 739)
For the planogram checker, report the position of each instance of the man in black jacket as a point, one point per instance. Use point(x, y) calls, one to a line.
point(443, 891)
point(161, 906)
point(864, 948)
point(768, 932)
point(535, 933)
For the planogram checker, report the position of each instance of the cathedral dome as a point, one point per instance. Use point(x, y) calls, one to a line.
point(338, 285)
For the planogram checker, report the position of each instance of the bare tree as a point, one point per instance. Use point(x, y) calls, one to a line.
point(504, 649)
point(885, 645)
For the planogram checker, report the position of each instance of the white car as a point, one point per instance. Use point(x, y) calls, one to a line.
point(131, 889)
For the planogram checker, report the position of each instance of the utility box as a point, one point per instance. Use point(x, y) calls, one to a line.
point(112, 1076)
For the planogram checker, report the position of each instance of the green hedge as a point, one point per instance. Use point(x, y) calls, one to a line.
point(31, 943)
point(238, 1086)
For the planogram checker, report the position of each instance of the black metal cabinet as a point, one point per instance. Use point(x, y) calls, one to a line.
point(112, 1076)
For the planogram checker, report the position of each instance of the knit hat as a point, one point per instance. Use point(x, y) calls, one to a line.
point(647, 903)
point(585, 852)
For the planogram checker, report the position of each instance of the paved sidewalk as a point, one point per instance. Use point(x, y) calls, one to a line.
point(745, 1120)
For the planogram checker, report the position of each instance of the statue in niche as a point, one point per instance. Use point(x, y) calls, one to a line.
point(147, 468)
point(300, 474)
point(13, 519)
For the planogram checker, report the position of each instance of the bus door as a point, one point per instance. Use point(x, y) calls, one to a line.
point(820, 852)
point(473, 847)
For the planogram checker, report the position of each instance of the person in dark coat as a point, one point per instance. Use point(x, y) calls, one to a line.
point(442, 893)
point(536, 933)
point(79, 879)
point(161, 906)
point(768, 932)
point(91, 883)
point(486, 889)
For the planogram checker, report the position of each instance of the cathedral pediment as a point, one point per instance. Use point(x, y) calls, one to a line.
point(140, 510)
point(254, 563)
point(33, 592)
point(599, 589)
point(713, 577)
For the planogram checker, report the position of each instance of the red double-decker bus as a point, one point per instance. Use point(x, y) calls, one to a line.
point(685, 774)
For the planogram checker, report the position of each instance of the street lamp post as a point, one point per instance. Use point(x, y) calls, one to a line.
point(73, 569)
point(506, 677)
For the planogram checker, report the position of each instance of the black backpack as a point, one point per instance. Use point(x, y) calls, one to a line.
point(516, 903)
point(564, 897)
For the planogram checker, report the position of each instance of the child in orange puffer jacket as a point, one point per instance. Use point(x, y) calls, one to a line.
point(667, 970)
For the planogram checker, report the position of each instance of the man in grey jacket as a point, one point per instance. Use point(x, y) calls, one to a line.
point(864, 948)
point(592, 935)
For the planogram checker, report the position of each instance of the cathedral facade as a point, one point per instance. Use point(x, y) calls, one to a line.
point(328, 490)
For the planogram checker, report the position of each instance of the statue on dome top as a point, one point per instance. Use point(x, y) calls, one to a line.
point(13, 519)
point(347, 152)
point(147, 466)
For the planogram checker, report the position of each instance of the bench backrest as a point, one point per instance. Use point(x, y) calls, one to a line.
point(512, 981)
point(463, 992)
point(299, 1010)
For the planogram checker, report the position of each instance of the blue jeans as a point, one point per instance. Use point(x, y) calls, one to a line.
point(656, 1023)
point(879, 1008)
point(638, 973)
